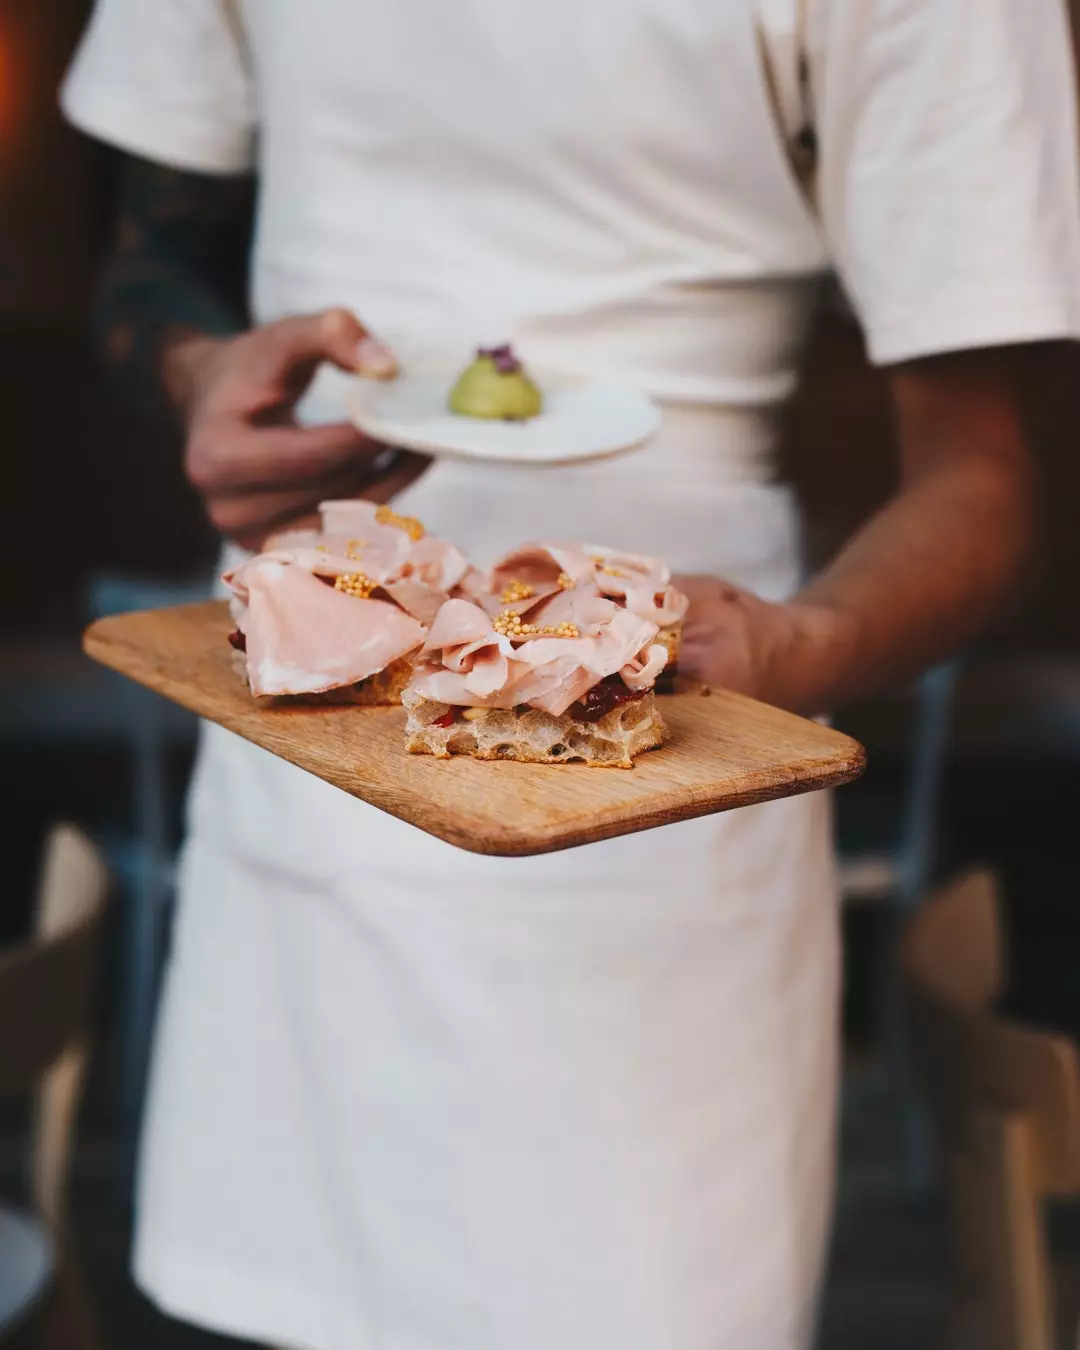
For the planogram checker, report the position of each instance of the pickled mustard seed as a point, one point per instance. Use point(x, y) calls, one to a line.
point(510, 625)
point(516, 590)
point(412, 527)
point(355, 584)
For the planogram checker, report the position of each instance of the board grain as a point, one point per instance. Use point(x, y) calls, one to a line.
point(724, 750)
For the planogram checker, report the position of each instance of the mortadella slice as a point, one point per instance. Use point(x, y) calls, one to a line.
point(304, 637)
point(466, 662)
point(642, 583)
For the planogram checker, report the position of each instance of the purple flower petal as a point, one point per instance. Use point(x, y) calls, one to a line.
point(503, 358)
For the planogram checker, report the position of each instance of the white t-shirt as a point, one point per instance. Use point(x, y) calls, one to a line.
point(604, 182)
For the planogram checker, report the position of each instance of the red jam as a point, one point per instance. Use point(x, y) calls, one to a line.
point(603, 697)
point(238, 640)
point(446, 720)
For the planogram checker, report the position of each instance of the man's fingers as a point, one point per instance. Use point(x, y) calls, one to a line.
point(291, 348)
point(715, 604)
point(224, 458)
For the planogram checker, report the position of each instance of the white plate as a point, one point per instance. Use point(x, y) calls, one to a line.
point(581, 420)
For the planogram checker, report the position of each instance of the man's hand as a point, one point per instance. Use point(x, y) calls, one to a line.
point(787, 655)
point(919, 579)
point(255, 467)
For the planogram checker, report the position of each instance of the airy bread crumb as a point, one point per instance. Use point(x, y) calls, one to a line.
point(532, 736)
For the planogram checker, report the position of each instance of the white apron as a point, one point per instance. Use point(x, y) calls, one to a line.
point(415, 1099)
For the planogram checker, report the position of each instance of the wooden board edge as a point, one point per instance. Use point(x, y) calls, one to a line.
point(833, 774)
point(95, 636)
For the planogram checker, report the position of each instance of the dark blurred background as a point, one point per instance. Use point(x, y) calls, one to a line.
point(980, 762)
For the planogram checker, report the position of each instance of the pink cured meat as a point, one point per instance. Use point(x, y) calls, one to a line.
point(639, 582)
point(434, 561)
point(303, 637)
point(545, 568)
point(355, 517)
point(541, 565)
point(463, 645)
point(437, 563)
point(333, 555)
point(467, 663)
point(417, 575)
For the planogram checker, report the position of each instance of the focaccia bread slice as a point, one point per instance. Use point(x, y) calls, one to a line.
point(671, 639)
point(531, 735)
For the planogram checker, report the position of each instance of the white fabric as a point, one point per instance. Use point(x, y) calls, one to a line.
point(948, 176)
point(663, 227)
point(167, 81)
point(406, 1097)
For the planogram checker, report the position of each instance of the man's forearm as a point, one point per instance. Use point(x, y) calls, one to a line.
point(175, 279)
point(920, 580)
point(941, 560)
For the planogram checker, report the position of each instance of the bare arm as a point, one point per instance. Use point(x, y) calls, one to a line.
point(174, 326)
point(922, 577)
point(938, 562)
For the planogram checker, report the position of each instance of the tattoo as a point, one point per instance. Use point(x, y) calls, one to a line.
point(179, 260)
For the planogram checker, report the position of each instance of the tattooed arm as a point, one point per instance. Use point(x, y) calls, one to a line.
point(173, 325)
point(178, 268)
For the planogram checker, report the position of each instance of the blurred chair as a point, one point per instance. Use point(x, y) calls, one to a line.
point(47, 989)
point(900, 872)
point(1005, 1104)
point(52, 697)
point(896, 873)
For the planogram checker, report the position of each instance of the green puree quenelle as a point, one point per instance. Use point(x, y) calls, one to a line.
point(496, 387)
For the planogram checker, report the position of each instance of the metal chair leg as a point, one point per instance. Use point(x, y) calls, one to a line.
point(914, 874)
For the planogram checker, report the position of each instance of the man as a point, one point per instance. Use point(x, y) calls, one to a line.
point(408, 1097)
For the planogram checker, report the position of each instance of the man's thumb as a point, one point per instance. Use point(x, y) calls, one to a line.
point(334, 335)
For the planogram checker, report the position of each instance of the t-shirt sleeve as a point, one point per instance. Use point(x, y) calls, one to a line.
point(167, 80)
point(949, 170)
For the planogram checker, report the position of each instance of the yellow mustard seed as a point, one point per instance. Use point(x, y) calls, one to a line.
point(516, 590)
point(412, 527)
point(602, 565)
point(355, 584)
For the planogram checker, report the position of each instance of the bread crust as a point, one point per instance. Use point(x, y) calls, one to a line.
point(532, 736)
point(670, 638)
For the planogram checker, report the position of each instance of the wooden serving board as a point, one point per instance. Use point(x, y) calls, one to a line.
point(724, 750)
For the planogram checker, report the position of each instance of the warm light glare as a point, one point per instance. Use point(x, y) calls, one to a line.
point(8, 103)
